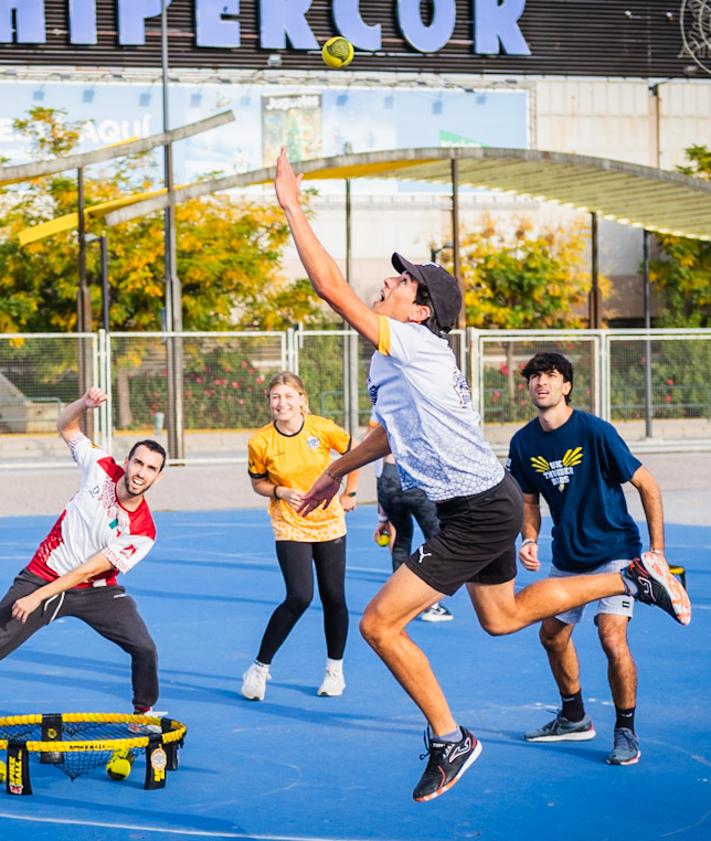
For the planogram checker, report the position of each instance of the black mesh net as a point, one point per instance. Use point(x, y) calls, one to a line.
point(93, 743)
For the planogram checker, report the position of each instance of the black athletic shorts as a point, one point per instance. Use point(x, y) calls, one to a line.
point(476, 541)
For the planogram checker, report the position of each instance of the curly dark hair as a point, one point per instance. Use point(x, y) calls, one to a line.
point(544, 363)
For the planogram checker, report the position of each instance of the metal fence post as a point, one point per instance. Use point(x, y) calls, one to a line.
point(477, 387)
point(287, 351)
point(463, 353)
point(101, 366)
point(602, 392)
point(351, 384)
point(292, 349)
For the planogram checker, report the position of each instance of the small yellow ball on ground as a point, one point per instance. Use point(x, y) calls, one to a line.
point(119, 766)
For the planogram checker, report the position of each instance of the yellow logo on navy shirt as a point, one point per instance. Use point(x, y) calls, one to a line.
point(558, 472)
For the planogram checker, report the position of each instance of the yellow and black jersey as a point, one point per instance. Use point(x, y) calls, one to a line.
point(296, 461)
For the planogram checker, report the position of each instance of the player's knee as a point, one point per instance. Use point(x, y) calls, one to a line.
point(145, 650)
point(373, 628)
point(552, 642)
point(298, 603)
point(614, 645)
point(367, 626)
point(333, 601)
point(496, 626)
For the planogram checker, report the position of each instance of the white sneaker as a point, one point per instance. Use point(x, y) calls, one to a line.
point(147, 729)
point(436, 613)
point(333, 683)
point(254, 682)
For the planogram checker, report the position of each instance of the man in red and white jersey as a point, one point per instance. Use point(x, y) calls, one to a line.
point(106, 528)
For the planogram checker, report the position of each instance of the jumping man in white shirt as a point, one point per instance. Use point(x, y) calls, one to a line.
point(105, 529)
point(428, 423)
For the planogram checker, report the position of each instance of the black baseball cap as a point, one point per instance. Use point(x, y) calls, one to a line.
point(443, 288)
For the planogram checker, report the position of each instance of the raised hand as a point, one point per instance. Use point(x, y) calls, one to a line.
point(320, 494)
point(286, 183)
point(94, 397)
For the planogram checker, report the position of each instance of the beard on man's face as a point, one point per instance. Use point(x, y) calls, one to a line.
point(126, 483)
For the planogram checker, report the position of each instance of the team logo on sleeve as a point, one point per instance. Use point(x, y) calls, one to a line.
point(372, 391)
point(461, 388)
point(558, 472)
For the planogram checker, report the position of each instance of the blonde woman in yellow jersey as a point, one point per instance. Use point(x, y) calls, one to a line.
point(285, 458)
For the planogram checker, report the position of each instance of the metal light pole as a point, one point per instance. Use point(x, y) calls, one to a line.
point(594, 314)
point(105, 290)
point(173, 292)
point(455, 237)
point(648, 407)
point(83, 300)
point(350, 340)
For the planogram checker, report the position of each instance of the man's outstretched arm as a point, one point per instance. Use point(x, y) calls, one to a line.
point(325, 276)
point(79, 575)
point(373, 447)
point(68, 420)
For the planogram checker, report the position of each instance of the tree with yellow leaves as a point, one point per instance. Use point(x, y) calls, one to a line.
point(229, 252)
point(228, 260)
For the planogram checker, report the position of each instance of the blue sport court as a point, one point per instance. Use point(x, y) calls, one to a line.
point(302, 768)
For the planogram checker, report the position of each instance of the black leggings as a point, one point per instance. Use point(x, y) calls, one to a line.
point(295, 559)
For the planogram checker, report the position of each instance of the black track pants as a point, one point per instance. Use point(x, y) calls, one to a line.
point(108, 610)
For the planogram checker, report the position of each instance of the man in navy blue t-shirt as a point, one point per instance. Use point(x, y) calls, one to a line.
point(579, 464)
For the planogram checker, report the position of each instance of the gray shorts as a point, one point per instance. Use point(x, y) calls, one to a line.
point(612, 605)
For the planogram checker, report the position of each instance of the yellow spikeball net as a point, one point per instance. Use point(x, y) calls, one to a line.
point(78, 742)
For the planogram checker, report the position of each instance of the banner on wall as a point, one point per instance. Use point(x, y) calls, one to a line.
point(319, 122)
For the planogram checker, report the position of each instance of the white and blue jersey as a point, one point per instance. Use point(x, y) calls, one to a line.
point(423, 401)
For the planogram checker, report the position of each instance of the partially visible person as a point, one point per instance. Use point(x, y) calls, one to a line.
point(578, 464)
point(400, 510)
point(105, 529)
point(285, 457)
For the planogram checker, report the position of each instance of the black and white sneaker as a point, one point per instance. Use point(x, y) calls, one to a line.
point(446, 764)
point(655, 585)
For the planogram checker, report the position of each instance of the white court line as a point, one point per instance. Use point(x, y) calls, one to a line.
point(199, 833)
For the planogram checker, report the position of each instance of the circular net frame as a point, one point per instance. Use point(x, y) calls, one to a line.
point(88, 740)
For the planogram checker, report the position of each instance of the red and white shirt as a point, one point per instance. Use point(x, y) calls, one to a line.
point(95, 521)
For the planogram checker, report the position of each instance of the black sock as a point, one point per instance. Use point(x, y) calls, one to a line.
point(573, 708)
point(625, 718)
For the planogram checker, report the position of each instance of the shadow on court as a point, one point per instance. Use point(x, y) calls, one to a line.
point(301, 767)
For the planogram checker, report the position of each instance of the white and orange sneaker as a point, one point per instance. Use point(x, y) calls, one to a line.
point(653, 583)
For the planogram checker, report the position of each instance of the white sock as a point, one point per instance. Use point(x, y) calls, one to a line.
point(334, 665)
